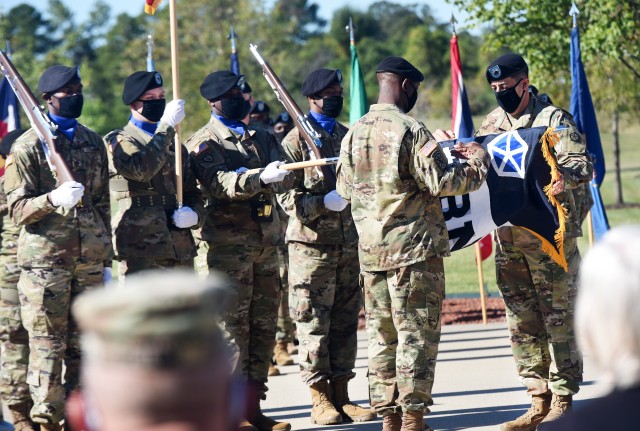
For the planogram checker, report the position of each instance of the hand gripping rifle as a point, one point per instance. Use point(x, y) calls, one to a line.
point(309, 134)
point(43, 126)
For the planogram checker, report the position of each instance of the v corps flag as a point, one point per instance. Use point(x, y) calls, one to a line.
point(516, 193)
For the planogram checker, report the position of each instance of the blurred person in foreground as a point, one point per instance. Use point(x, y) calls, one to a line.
point(156, 358)
point(608, 330)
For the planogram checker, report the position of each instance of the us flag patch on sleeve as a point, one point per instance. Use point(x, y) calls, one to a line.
point(200, 148)
point(428, 148)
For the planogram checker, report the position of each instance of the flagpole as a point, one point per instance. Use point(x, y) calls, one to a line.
point(483, 305)
point(175, 78)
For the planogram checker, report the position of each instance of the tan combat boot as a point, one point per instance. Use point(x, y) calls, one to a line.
point(323, 412)
point(345, 407)
point(414, 421)
point(281, 354)
point(264, 423)
point(560, 406)
point(391, 422)
point(273, 371)
point(531, 418)
point(21, 416)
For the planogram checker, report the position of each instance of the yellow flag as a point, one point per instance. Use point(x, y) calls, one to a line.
point(151, 5)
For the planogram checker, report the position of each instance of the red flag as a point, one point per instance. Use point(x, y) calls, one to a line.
point(486, 247)
point(461, 121)
point(151, 6)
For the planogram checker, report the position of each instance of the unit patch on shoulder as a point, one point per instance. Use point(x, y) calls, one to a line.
point(574, 136)
point(440, 159)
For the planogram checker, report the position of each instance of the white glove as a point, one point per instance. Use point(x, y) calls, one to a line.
point(107, 275)
point(334, 202)
point(173, 113)
point(273, 174)
point(185, 217)
point(67, 195)
point(241, 170)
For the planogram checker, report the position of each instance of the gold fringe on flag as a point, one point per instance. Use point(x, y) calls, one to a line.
point(548, 141)
point(150, 6)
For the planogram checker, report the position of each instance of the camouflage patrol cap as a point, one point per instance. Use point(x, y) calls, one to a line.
point(158, 320)
point(506, 66)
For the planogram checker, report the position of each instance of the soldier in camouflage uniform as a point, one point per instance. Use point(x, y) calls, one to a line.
point(242, 228)
point(65, 241)
point(14, 338)
point(149, 230)
point(155, 357)
point(323, 261)
point(539, 295)
point(393, 172)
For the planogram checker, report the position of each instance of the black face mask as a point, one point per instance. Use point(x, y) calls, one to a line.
point(508, 99)
point(152, 110)
point(332, 106)
point(280, 136)
point(411, 100)
point(234, 108)
point(70, 106)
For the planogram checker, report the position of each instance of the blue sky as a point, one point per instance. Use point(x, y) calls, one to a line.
point(441, 8)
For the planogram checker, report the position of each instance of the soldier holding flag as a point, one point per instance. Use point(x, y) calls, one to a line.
point(149, 230)
point(538, 293)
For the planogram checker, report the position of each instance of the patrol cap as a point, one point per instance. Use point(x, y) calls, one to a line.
point(284, 117)
point(157, 320)
point(56, 77)
point(401, 67)
point(506, 66)
point(259, 107)
point(8, 140)
point(246, 88)
point(320, 79)
point(218, 83)
point(138, 83)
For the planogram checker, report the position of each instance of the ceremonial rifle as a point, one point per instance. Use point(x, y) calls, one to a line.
point(41, 123)
point(308, 133)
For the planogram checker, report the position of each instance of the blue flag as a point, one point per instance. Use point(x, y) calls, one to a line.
point(235, 65)
point(599, 218)
point(582, 107)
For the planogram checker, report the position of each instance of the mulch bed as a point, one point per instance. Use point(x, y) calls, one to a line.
point(465, 310)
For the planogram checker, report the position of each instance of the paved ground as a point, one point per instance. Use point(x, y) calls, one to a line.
point(476, 386)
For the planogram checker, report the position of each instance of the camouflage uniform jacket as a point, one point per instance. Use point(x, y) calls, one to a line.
point(10, 231)
point(570, 153)
point(54, 236)
point(309, 220)
point(144, 165)
point(234, 198)
point(393, 172)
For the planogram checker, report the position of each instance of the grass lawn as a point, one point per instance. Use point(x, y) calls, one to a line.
point(460, 268)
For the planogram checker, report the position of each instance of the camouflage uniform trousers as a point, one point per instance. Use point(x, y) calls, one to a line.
point(403, 310)
point(284, 325)
point(131, 266)
point(540, 298)
point(46, 295)
point(325, 301)
point(252, 309)
point(13, 337)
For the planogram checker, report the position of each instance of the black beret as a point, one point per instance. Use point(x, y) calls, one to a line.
point(138, 83)
point(57, 77)
point(218, 83)
point(8, 140)
point(401, 67)
point(320, 79)
point(283, 118)
point(259, 107)
point(246, 88)
point(506, 66)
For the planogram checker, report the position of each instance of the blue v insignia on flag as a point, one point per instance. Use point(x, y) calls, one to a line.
point(508, 154)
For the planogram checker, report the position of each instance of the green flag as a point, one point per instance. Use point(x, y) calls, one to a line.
point(358, 105)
